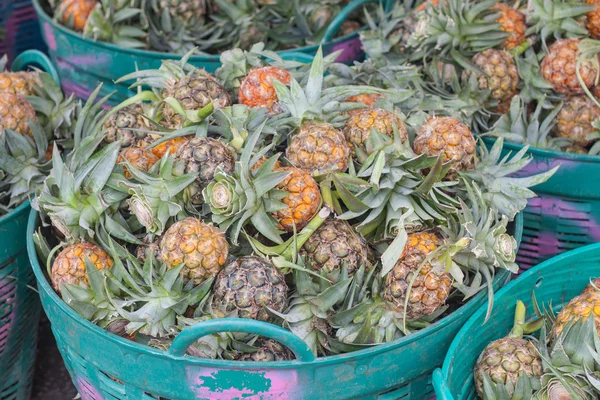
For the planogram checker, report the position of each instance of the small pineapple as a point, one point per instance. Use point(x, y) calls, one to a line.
point(248, 286)
point(139, 158)
point(74, 13)
point(201, 247)
point(430, 288)
point(268, 350)
point(187, 11)
point(15, 111)
point(593, 19)
point(368, 100)
point(575, 118)
point(500, 75)
point(575, 149)
point(257, 88)
point(450, 137)
point(336, 244)
point(586, 305)
point(303, 200)
point(506, 359)
point(171, 146)
point(17, 82)
point(358, 126)
point(69, 266)
point(511, 21)
point(204, 155)
point(319, 148)
point(124, 126)
point(560, 64)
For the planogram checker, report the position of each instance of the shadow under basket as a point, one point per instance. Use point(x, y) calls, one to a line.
point(566, 213)
point(105, 366)
point(19, 308)
point(555, 282)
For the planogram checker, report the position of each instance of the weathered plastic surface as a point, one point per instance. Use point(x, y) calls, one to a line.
point(557, 281)
point(19, 308)
point(401, 369)
point(18, 19)
point(566, 213)
point(83, 63)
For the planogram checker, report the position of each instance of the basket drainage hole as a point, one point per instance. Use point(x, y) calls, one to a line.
point(538, 283)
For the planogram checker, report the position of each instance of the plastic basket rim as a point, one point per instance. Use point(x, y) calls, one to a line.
point(334, 359)
point(545, 152)
point(173, 56)
point(481, 311)
point(14, 213)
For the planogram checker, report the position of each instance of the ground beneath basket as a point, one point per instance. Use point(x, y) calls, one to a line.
point(51, 380)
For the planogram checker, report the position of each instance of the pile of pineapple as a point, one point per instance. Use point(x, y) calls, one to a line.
point(273, 191)
point(561, 362)
point(526, 72)
point(209, 26)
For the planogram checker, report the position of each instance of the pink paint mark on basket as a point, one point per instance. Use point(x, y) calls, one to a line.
point(86, 390)
point(351, 49)
point(83, 61)
point(212, 383)
point(50, 37)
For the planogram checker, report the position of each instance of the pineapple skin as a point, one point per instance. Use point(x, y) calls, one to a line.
point(257, 89)
point(303, 200)
point(15, 111)
point(248, 285)
point(511, 21)
point(559, 68)
point(76, 10)
point(138, 157)
point(69, 266)
point(430, 288)
point(201, 247)
point(21, 83)
point(319, 148)
point(358, 127)
point(575, 118)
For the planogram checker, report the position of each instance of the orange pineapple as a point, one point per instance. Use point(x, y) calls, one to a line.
point(139, 158)
point(15, 111)
point(303, 200)
point(511, 21)
point(257, 90)
point(559, 68)
point(74, 13)
point(69, 265)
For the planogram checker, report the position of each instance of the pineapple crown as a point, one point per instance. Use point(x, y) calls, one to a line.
point(456, 29)
point(55, 112)
point(534, 86)
point(156, 197)
point(117, 21)
point(502, 192)
point(23, 164)
point(245, 196)
point(313, 102)
point(534, 129)
point(557, 19)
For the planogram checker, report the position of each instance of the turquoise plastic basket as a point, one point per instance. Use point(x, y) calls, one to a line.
point(84, 63)
point(105, 366)
point(557, 281)
point(566, 213)
point(19, 302)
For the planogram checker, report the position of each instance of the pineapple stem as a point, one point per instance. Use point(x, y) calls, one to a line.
point(518, 327)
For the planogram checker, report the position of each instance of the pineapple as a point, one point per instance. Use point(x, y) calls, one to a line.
point(432, 285)
point(303, 200)
point(187, 11)
point(575, 118)
point(318, 149)
point(505, 360)
point(500, 75)
point(203, 156)
point(257, 88)
point(449, 137)
point(125, 127)
point(368, 100)
point(69, 267)
point(171, 146)
point(560, 64)
point(74, 13)
point(247, 287)
point(21, 82)
point(575, 149)
point(200, 247)
point(15, 111)
point(582, 307)
point(593, 19)
point(139, 158)
point(267, 350)
point(511, 21)
point(335, 245)
point(358, 126)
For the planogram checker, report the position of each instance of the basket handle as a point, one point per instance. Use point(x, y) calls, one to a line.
point(191, 334)
point(442, 391)
point(29, 57)
point(339, 19)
